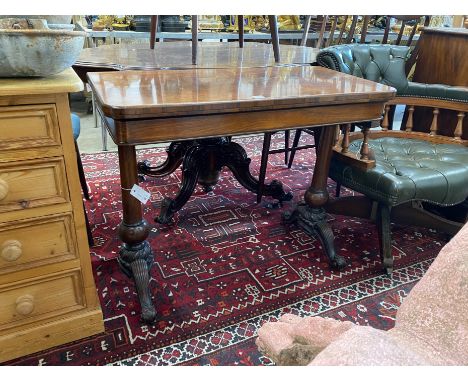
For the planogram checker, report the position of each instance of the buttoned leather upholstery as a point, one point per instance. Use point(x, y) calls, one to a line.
point(408, 169)
point(375, 62)
point(384, 64)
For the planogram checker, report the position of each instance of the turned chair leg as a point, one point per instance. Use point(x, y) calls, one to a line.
point(337, 189)
point(263, 165)
point(81, 174)
point(286, 146)
point(297, 136)
point(385, 236)
point(84, 187)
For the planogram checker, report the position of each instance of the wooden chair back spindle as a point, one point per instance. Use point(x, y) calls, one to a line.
point(337, 135)
point(194, 39)
point(240, 24)
point(459, 128)
point(331, 35)
point(322, 32)
point(306, 30)
point(409, 122)
point(385, 122)
point(342, 29)
point(352, 28)
point(434, 124)
point(240, 20)
point(321, 35)
point(273, 21)
point(345, 141)
point(365, 25)
point(153, 28)
point(365, 144)
point(405, 19)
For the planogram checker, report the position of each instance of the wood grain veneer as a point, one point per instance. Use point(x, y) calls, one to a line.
point(153, 94)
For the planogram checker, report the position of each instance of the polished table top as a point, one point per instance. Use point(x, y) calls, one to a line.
point(152, 94)
point(178, 55)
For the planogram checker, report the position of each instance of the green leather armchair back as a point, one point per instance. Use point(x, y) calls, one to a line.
point(385, 64)
point(375, 62)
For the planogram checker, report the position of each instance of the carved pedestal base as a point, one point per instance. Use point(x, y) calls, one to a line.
point(313, 222)
point(203, 160)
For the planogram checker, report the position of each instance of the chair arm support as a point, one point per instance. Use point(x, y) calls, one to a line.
point(442, 92)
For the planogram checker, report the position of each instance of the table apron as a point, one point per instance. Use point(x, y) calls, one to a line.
point(144, 131)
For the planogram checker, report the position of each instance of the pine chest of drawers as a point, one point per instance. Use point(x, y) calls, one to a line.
point(47, 291)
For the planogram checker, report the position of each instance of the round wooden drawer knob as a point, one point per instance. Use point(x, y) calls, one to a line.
point(25, 304)
point(3, 189)
point(11, 250)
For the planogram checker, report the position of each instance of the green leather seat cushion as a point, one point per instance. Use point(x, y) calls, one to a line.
point(408, 169)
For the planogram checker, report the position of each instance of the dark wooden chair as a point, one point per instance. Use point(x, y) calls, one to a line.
point(400, 172)
point(240, 21)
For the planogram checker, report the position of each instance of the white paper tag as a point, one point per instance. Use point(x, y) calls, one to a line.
point(140, 194)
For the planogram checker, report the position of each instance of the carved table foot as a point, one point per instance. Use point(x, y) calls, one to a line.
point(136, 261)
point(313, 222)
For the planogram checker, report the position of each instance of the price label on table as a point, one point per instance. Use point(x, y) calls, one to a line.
point(140, 194)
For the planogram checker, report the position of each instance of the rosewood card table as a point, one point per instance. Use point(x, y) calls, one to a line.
point(202, 108)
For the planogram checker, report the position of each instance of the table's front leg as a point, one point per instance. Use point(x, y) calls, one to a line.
point(135, 256)
point(310, 215)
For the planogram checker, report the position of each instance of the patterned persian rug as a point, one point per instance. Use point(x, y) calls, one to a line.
point(226, 265)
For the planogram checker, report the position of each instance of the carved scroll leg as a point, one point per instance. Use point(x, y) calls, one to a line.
point(313, 222)
point(235, 158)
point(193, 159)
point(385, 240)
point(175, 154)
point(325, 234)
point(135, 257)
point(312, 216)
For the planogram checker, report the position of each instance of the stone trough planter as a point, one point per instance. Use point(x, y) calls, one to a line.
point(37, 52)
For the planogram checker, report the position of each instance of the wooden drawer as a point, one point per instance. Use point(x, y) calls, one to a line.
point(35, 242)
point(28, 126)
point(29, 184)
point(40, 299)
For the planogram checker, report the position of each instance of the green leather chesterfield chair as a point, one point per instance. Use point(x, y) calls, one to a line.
point(401, 174)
